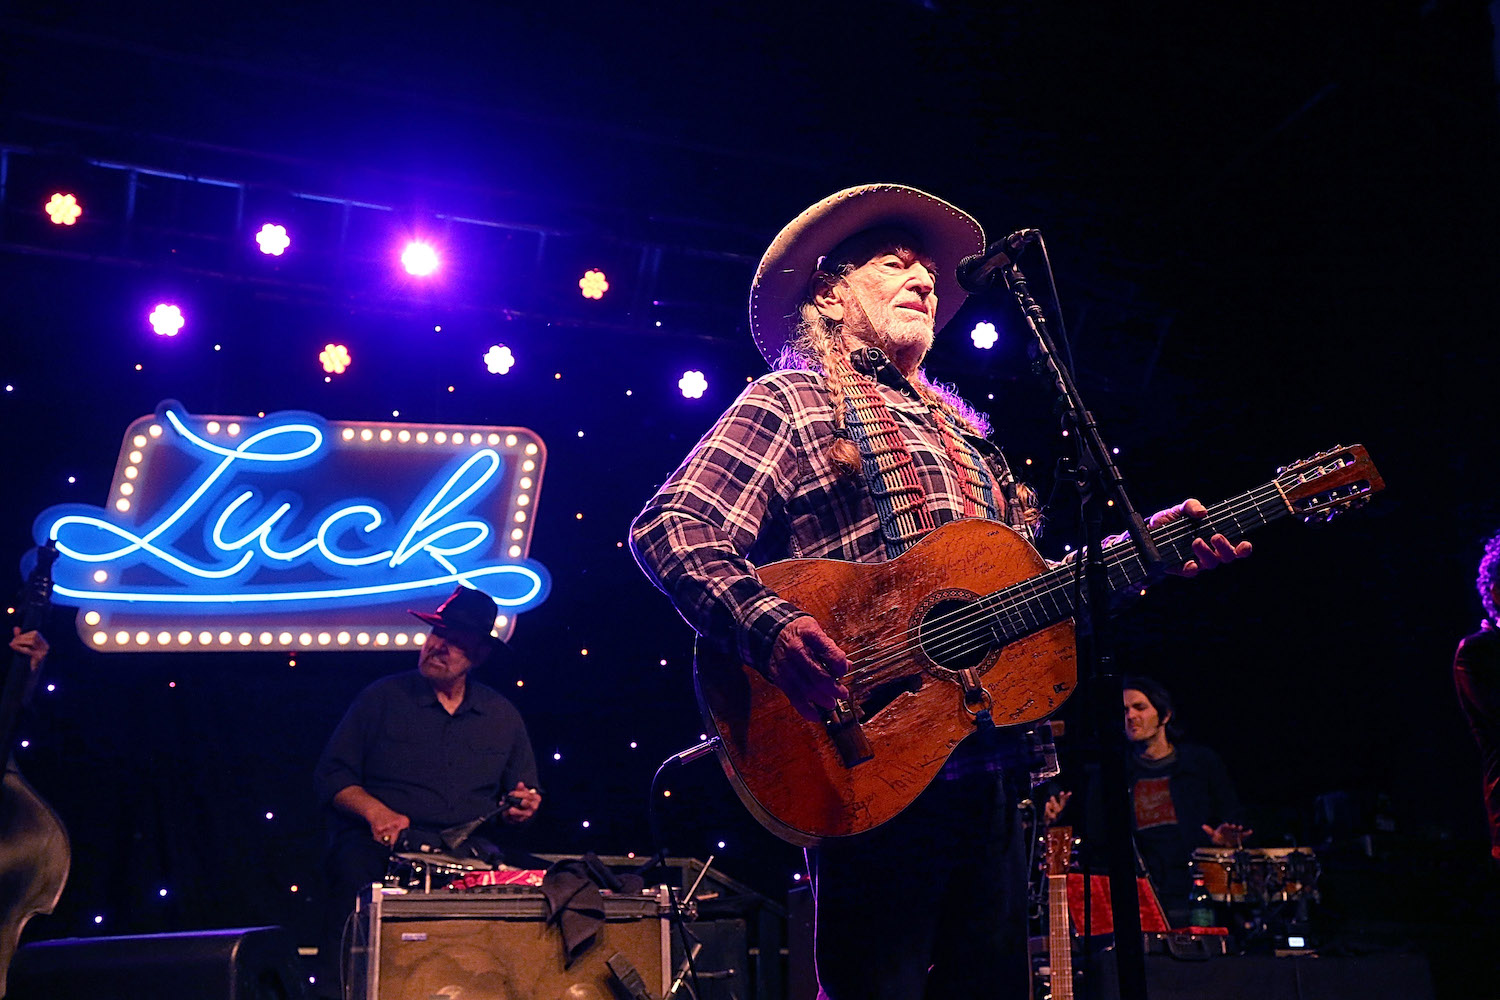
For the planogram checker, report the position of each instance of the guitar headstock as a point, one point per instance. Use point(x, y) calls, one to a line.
point(1059, 849)
point(36, 593)
point(1329, 483)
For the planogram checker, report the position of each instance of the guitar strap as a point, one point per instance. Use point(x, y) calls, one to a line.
point(900, 502)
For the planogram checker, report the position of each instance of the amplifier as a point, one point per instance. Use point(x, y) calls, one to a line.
point(497, 945)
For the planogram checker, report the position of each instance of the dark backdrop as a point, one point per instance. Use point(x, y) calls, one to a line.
point(1273, 231)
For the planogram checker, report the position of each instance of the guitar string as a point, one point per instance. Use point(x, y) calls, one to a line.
point(1010, 610)
point(1116, 556)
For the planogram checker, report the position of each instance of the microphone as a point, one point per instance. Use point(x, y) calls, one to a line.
point(976, 272)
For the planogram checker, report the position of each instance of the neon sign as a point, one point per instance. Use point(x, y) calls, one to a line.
point(289, 531)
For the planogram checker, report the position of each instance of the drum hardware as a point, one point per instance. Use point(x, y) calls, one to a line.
point(1260, 893)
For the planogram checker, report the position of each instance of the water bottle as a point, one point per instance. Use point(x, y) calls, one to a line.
point(1200, 907)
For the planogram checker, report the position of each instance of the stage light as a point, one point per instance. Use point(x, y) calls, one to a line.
point(499, 360)
point(335, 359)
point(64, 209)
point(593, 284)
point(167, 320)
point(419, 259)
point(693, 384)
point(273, 240)
point(984, 335)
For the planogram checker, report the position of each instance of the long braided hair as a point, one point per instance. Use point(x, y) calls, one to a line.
point(820, 344)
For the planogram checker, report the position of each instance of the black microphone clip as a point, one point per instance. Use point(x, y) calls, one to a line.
point(976, 272)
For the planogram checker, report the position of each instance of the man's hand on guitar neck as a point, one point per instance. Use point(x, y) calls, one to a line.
point(30, 645)
point(805, 663)
point(1210, 553)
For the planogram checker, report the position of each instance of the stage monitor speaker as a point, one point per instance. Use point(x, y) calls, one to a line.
point(498, 946)
point(254, 963)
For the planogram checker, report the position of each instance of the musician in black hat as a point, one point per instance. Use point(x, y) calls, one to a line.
point(417, 753)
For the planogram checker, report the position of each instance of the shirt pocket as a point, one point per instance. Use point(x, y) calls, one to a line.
point(488, 754)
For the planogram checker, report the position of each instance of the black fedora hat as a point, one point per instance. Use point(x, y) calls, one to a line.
point(465, 610)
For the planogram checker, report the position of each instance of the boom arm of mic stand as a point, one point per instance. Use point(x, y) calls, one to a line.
point(1099, 477)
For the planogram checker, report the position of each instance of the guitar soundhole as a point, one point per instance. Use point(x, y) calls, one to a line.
point(954, 636)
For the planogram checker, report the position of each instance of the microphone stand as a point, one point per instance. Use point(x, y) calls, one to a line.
point(1098, 482)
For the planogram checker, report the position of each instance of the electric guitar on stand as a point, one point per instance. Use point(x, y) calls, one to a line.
point(968, 624)
point(1059, 938)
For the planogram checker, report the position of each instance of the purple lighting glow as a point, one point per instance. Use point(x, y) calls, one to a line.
point(273, 240)
point(167, 320)
point(419, 259)
point(693, 384)
point(984, 335)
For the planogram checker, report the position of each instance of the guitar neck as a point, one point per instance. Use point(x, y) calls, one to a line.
point(1059, 941)
point(1050, 597)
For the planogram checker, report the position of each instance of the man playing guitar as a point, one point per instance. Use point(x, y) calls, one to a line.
point(847, 452)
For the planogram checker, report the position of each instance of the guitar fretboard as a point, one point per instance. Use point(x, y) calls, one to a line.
point(1031, 605)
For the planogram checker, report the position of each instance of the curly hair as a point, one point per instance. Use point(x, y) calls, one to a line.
point(1488, 581)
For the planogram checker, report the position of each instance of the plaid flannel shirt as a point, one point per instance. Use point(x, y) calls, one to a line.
point(760, 486)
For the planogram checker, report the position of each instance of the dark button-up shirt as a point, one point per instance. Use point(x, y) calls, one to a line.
point(399, 744)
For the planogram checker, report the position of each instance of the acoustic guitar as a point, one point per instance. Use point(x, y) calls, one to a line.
point(967, 626)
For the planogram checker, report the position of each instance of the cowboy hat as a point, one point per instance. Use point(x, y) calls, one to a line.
point(781, 281)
